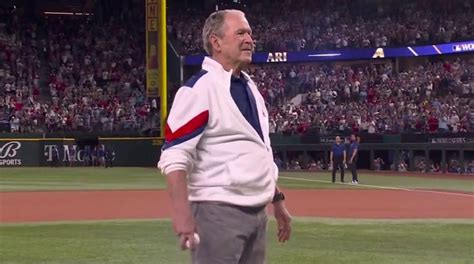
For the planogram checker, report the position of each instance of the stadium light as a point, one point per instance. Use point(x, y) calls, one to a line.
point(67, 13)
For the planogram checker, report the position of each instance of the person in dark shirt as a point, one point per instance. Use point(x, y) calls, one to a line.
point(109, 157)
point(338, 158)
point(353, 156)
point(94, 154)
point(72, 156)
point(87, 155)
point(102, 155)
point(55, 157)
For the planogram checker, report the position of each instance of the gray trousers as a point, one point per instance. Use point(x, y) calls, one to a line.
point(229, 234)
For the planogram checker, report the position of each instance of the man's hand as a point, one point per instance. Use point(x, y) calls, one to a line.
point(183, 219)
point(283, 221)
point(184, 226)
point(193, 242)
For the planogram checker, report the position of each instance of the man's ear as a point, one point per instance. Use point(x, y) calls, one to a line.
point(215, 42)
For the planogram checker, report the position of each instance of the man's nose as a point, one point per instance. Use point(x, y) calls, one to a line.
point(248, 39)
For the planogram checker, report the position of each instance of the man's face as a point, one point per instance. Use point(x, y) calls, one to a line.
point(353, 137)
point(236, 43)
point(338, 140)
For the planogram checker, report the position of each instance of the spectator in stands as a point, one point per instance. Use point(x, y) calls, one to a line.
point(454, 167)
point(422, 166)
point(315, 165)
point(378, 164)
point(295, 165)
point(435, 167)
point(402, 166)
point(280, 164)
point(470, 167)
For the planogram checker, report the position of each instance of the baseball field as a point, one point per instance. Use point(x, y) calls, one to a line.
point(121, 215)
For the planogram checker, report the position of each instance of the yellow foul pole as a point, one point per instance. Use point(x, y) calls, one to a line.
point(163, 73)
point(156, 72)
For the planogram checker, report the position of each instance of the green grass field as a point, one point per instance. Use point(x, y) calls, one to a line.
point(314, 240)
point(46, 179)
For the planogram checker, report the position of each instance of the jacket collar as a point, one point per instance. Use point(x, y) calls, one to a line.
point(211, 65)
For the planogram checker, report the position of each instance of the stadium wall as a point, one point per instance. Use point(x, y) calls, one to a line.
point(145, 151)
point(391, 153)
point(31, 152)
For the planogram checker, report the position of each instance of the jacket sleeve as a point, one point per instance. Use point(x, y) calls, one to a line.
point(185, 125)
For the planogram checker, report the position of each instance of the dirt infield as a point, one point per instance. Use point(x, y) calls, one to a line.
point(18, 207)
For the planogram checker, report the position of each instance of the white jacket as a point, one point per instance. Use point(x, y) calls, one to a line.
point(207, 136)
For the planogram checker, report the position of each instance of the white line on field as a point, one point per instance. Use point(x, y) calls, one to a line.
point(448, 193)
point(379, 187)
point(362, 185)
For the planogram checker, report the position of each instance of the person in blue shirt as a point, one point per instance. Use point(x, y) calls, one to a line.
point(353, 156)
point(338, 158)
point(55, 157)
point(102, 155)
point(94, 154)
point(109, 157)
point(87, 155)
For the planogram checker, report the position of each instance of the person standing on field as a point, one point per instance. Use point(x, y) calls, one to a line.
point(338, 158)
point(217, 155)
point(353, 156)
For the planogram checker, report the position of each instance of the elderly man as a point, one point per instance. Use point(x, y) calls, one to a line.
point(217, 155)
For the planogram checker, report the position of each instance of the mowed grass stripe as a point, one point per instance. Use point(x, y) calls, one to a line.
point(312, 242)
point(380, 187)
point(299, 219)
point(381, 181)
point(80, 178)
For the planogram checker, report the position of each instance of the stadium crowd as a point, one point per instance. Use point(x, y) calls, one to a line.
point(95, 72)
point(81, 74)
point(97, 76)
point(94, 79)
point(322, 25)
point(19, 68)
point(430, 98)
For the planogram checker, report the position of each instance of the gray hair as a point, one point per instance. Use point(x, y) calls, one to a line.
point(213, 26)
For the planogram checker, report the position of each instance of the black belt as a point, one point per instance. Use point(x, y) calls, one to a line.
point(249, 209)
point(245, 209)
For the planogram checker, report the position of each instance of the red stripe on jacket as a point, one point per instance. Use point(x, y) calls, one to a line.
point(188, 128)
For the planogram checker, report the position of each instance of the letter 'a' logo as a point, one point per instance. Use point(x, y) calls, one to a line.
point(379, 53)
point(9, 150)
